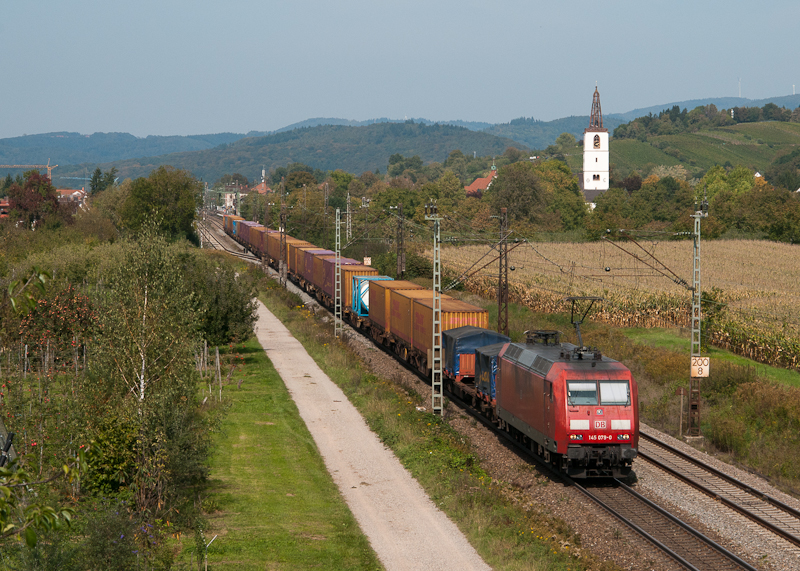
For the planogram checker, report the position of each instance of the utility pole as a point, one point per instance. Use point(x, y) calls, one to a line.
point(502, 285)
point(304, 212)
point(401, 249)
point(282, 264)
point(349, 220)
point(365, 204)
point(437, 393)
point(325, 215)
point(338, 324)
point(699, 365)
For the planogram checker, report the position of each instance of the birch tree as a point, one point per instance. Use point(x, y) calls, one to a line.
point(149, 318)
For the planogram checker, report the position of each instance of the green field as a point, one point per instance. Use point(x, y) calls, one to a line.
point(678, 340)
point(274, 505)
point(754, 145)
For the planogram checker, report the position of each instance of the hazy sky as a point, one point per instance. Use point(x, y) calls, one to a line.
point(174, 67)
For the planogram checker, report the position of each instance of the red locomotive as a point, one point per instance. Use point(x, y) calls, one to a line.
point(576, 408)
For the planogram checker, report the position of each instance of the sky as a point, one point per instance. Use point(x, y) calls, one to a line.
point(175, 67)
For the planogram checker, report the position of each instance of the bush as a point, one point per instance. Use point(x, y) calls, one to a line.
point(728, 433)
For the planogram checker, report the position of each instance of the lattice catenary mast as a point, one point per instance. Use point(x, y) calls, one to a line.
point(437, 393)
point(338, 323)
point(699, 365)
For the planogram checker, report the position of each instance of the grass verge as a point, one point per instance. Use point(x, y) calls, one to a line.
point(508, 536)
point(678, 340)
point(273, 504)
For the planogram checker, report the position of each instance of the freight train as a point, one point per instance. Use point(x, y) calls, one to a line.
point(571, 405)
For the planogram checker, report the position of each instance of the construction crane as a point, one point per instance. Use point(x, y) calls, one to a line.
point(47, 166)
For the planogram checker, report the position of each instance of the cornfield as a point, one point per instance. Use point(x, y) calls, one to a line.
point(754, 307)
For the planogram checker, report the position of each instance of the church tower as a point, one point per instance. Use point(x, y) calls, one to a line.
point(595, 151)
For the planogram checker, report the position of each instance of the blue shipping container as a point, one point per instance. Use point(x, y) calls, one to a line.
point(486, 368)
point(464, 340)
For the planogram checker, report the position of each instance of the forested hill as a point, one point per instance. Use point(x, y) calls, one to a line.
point(536, 134)
point(74, 148)
point(327, 147)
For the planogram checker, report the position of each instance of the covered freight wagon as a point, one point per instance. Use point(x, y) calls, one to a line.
point(307, 267)
point(348, 272)
point(486, 370)
point(455, 314)
point(459, 346)
point(322, 268)
point(380, 301)
point(227, 222)
point(402, 320)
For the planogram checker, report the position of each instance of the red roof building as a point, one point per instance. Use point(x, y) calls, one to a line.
point(479, 185)
point(261, 188)
point(71, 195)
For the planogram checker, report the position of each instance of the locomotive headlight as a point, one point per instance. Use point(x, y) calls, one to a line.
point(576, 436)
point(623, 436)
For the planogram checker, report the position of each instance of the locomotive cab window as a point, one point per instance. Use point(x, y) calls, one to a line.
point(615, 392)
point(582, 393)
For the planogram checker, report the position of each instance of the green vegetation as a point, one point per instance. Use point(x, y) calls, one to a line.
point(273, 502)
point(100, 376)
point(678, 341)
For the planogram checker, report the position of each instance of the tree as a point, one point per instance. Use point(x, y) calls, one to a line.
point(228, 312)
point(235, 178)
point(148, 318)
point(168, 195)
point(566, 142)
point(517, 187)
point(35, 200)
point(297, 179)
point(100, 181)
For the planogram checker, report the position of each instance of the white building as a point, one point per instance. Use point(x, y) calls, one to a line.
point(595, 176)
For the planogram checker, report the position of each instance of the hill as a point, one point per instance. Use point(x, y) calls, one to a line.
point(788, 101)
point(319, 121)
point(754, 145)
point(74, 148)
point(536, 134)
point(326, 147)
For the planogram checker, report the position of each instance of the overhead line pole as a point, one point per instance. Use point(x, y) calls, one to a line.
point(699, 366)
point(401, 248)
point(437, 391)
point(502, 285)
point(338, 323)
point(282, 264)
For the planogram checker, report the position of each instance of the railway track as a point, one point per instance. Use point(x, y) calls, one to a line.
point(685, 545)
point(688, 547)
point(770, 513)
point(209, 235)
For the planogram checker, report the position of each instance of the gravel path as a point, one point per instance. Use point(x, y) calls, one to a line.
point(404, 527)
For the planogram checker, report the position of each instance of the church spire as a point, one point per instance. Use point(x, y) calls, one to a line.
point(596, 120)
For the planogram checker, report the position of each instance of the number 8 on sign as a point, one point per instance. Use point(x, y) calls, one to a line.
point(700, 366)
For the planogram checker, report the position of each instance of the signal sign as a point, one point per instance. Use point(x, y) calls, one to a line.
point(700, 366)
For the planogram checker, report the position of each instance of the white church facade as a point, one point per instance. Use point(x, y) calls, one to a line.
point(595, 176)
